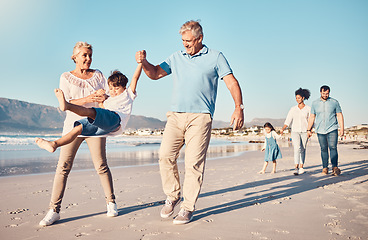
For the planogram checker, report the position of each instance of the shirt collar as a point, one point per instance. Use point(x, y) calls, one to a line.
point(320, 99)
point(204, 50)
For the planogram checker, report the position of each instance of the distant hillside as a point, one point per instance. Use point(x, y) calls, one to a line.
point(20, 116)
point(141, 122)
point(254, 122)
point(262, 121)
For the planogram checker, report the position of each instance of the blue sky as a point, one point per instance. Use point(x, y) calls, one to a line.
point(274, 47)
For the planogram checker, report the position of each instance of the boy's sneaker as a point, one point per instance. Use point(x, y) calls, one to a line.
point(296, 171)
point(112, 209)
point(50, 218)
point(301, 171)
point(183, 217)
point(336, 171)
point(168, 209)
point(325, 171)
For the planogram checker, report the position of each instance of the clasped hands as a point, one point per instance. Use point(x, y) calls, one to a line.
point(98, 96)
point(140, 56)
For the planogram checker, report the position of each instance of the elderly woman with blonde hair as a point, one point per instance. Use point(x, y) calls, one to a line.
point(80, 87)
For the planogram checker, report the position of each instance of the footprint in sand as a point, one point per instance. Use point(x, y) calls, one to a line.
point(70, 205)
point(12, 226)
point(334, 223)
point(335, 227)
point(40, 191)
point(159, 235)
point(326, 206)
point(19, 210)
point(208, 220)
point(261, 220)
point(81, 234)
point(282, 231)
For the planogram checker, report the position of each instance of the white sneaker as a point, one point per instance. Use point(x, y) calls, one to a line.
point(301, 171)
point(296, 171)
point(112, 209)
point(50, 218)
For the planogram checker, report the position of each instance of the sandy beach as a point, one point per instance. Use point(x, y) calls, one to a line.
point(235, 202)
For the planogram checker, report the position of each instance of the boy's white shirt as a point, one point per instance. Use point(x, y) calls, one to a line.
point(122, 105)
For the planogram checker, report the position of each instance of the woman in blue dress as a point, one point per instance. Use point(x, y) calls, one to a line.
point(272, 150)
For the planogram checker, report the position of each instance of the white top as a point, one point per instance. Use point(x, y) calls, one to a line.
point(75, 88)
point(299, 118)
point(271, 134)
point(122, 105)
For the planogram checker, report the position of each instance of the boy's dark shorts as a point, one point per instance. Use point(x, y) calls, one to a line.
point(106, 121)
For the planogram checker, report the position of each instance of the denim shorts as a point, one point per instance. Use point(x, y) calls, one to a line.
point(106, 121)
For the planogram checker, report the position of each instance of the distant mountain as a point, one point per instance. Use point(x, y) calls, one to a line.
point(254, 122)
point(20, 116)
point(141, 122)
point(262, 121)
point(220, 124)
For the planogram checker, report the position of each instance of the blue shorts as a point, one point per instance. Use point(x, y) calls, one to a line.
point(106, 121)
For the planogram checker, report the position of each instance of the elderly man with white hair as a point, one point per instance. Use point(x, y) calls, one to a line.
point(195, 73)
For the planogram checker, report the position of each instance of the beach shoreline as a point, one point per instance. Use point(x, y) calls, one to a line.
point(21, 156)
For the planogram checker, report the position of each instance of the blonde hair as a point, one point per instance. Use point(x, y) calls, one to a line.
point(77, 48)
point(192, 26)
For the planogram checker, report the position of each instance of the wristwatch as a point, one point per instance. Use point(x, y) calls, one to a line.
point(241, 106)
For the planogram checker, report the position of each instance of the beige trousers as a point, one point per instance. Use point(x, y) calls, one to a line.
point(97, 148)
point(193, 130)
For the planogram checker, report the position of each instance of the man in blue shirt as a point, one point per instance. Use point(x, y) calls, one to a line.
point(326, 114)
point(195, 74)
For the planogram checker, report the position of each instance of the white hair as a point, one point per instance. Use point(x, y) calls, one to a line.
point(192, 26)
point(77, 48)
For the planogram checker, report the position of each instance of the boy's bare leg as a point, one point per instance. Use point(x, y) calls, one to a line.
point(80, 110)
point(64, 140)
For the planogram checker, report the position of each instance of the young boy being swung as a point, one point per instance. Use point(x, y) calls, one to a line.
point(111, 118)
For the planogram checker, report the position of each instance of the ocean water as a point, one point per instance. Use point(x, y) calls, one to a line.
point(19, 155)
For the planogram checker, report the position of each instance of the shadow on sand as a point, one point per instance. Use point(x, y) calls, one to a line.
point(309, 181)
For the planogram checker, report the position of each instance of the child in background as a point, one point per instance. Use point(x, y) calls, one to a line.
point(99, 121)
point(272, 150)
